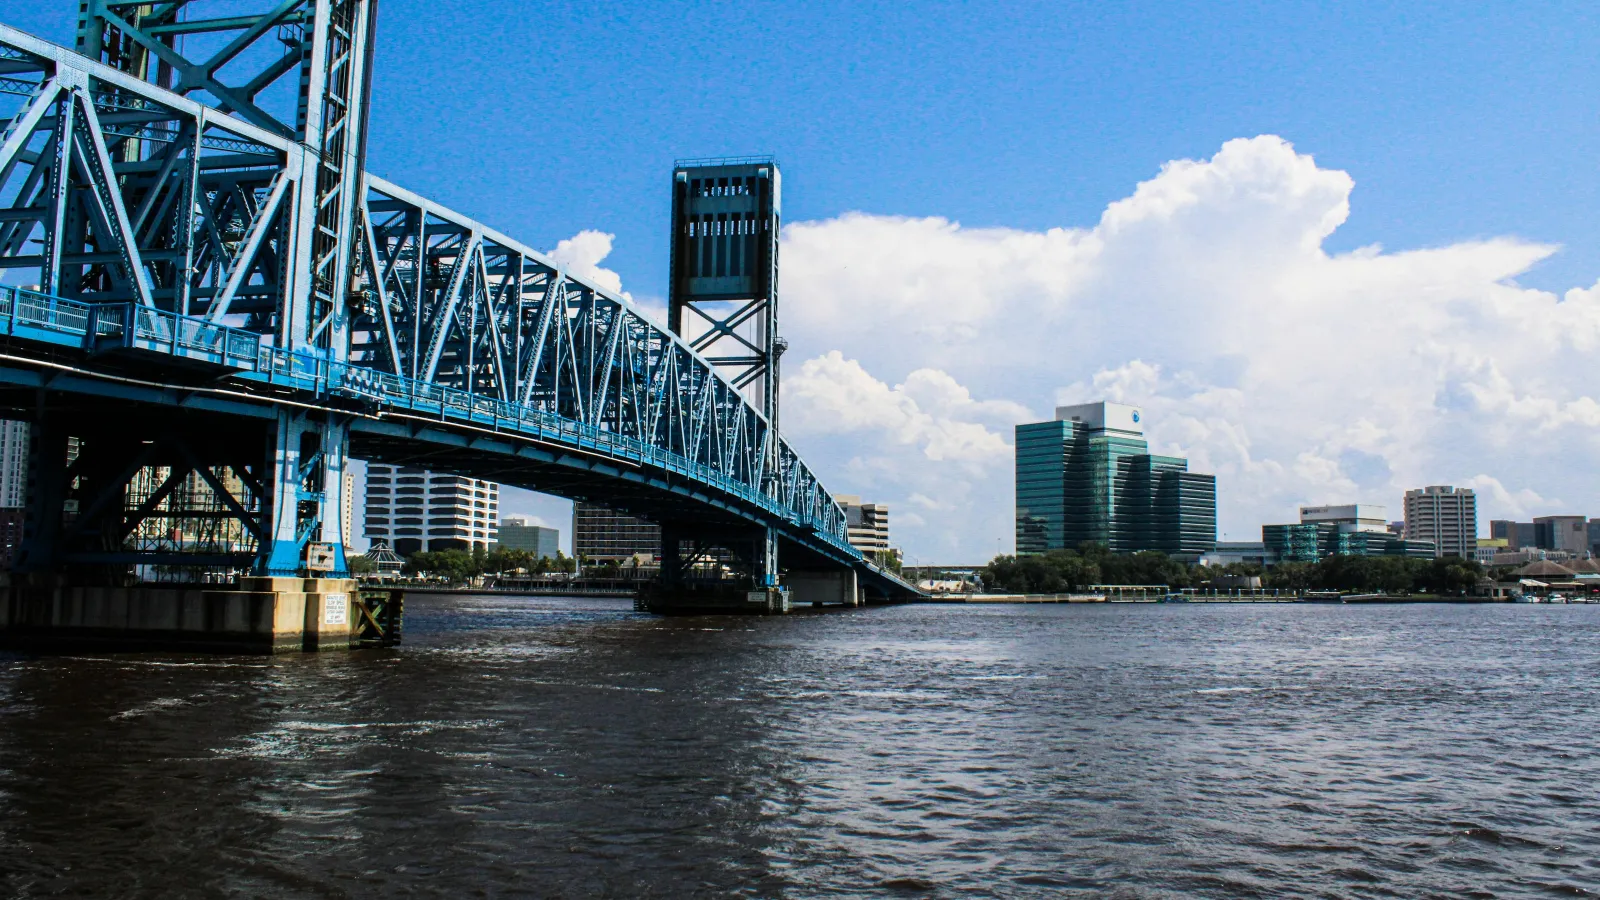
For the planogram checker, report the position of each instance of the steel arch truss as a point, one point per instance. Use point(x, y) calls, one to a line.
point(114, 190)
point(446, 301)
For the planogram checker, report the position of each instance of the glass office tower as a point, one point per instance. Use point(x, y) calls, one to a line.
point(1089, 476)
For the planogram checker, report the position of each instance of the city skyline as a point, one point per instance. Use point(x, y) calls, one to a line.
point(1197, 243)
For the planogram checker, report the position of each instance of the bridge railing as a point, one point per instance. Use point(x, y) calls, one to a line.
point(94, 326)
point(498, 414)
point(136, 327)
point(33, 310)
point(103, 326)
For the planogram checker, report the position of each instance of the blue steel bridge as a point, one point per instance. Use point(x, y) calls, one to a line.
point(201, 283)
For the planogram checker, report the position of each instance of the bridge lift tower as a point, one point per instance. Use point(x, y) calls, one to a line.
point(723, 300)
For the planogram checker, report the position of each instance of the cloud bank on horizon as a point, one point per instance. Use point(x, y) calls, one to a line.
point(1295, 375)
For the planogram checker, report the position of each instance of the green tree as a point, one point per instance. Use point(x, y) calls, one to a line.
point(1055, 572)
point(1291, 576)
point(503, 559)
point(455, 566)
point(360, 565)
point(1450, 576)
point(1144, 567)
point(1362, 574)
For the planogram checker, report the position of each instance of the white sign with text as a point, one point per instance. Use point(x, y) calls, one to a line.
point(336, 609)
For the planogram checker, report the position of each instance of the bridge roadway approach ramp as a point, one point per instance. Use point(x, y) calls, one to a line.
point(208, 306)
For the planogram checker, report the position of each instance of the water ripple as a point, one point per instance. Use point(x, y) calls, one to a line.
point(572, 748)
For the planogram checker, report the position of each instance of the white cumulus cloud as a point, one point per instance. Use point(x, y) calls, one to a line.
point(581, 254)
point(1294, 374)
point(929, 413)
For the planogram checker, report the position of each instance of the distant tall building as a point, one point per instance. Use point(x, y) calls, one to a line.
point(517, 533)
point(13, 464)
point(1568, 533)
point(1089, 476)
point(413, 509)
point(1447, 516)
point(867, 523)
point(10, 535)
point(13, 487)
point(600, 534)
point(1517, 535)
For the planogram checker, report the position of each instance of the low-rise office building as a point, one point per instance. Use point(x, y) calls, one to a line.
point(1575, 535)
point(1367, 517)
point(1569, 534)
point(517, 533)
point(1239, 552)
point(1487, 548)
point(1516, 534)
point(1524, 555)
point(1316, 541)
point(1357, 529)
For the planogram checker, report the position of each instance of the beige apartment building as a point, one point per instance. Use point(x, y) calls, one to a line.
point(1446, 515)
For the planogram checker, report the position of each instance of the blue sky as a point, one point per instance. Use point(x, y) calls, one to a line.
point(547, 118)
point(1456, 122)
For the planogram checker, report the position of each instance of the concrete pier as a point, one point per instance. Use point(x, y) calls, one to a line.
point(824, 588)
point(711, 600)
point(835, 588)
point(253, 615)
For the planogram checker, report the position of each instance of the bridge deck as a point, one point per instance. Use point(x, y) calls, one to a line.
point(123, 352)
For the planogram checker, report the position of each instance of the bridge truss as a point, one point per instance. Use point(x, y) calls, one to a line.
point(172, 241)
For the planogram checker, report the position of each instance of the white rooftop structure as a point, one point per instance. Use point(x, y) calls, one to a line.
point(1349, 516)
point(1104, 415)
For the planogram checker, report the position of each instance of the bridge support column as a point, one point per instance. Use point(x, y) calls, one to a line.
point(128, 510)
point(697, 584)
point(767, 554)
point(671, 554)
point(305, 464)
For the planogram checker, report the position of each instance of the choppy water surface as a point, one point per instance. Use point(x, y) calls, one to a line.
point(575, 749)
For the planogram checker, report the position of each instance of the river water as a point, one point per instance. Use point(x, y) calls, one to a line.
point(573, 748)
